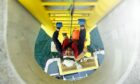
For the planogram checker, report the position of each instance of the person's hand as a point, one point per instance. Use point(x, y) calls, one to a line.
point(77, 59)
point(85, 50)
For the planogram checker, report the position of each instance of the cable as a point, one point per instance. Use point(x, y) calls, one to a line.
point(71, 15)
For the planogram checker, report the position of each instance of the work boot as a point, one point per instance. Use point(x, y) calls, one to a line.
point(59, 25)
point(81, 22)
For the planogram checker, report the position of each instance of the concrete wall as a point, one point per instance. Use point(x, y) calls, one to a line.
point(119, 31)
point(7, 73)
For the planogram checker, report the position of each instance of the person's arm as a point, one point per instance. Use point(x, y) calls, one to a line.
point(81, 55)
point(75, 49)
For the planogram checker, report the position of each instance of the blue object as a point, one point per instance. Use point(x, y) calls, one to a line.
point(53, 68)
point(59, 25)
point(81, 21)
point(100, 58)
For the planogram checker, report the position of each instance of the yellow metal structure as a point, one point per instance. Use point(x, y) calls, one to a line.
point(66, 18)
point(68, 3)
point(67, 11)
point(63, 15)
point(96, 11)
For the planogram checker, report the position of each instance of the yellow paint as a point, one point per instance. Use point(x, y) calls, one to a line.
point(68, 3)
point(65, 28)
point(70, 25)
point(88, 54)
point(75, 15)
point(67, 11)
point(66, 18)
point(66, 22)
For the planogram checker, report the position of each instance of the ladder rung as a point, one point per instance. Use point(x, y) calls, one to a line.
point(68, 12)
point(75, 15)
point(68, 3)
point(66, 22)
point(68, 18)
point(70, 25)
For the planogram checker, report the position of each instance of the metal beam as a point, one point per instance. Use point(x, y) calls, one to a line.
point(66, 22)
point(70, 25)
point(67, 18)
point(68, 12)
point(68, 3)
point(66, 28)
point(75, 15)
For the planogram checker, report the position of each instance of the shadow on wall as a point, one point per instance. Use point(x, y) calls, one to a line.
point(43, 46)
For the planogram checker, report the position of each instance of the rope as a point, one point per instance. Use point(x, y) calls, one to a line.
point(71, 15)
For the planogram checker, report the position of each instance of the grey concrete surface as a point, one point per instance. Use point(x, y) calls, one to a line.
point(119, 31)
point(7, 72)
point(134, 75)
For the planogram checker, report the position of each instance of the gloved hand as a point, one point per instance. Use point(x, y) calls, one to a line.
point(81, 21)
point(59, 25)
point(78, 66)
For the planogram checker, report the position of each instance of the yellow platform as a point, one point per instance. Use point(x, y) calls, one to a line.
point(90, 64)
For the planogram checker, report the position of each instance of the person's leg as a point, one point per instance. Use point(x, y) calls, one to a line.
point(82, 35)
point(81, 40)
point(75, 49)
point(57, 42)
